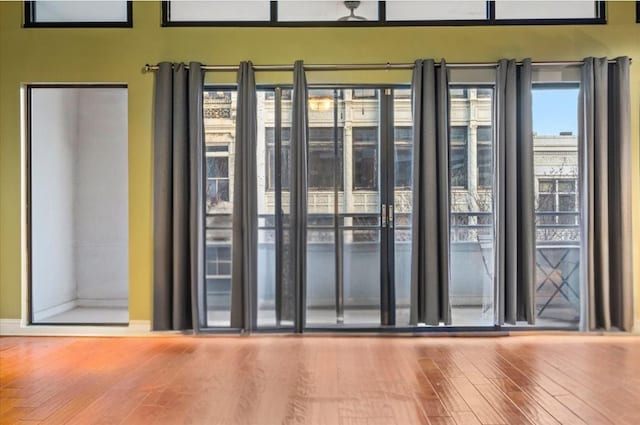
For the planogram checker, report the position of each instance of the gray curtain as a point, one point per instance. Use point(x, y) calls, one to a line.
point(298, 192)
point(605, 156)
point(244, 256)
point(515, 212)
point(430, 215)
point(178, 221)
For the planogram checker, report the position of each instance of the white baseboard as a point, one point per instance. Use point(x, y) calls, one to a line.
point(56, 309)
point(95, 302)
point(15, 327)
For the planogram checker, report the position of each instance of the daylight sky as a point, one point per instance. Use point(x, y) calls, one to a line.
point(555, 110)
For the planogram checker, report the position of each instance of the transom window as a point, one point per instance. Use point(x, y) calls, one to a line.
point(372, 13)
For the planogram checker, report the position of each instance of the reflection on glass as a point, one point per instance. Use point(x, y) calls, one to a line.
point(556, 171)
point(471, 207)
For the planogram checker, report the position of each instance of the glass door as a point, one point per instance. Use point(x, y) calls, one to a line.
point(359, 184)
point(350, 239)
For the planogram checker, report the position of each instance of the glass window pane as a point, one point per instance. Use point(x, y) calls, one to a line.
point(458, 92)
point(365, 167)
point(471, 210)
point(218, 10)
point(458, 166)
point(80, 11)
point(321, 10)
point(398, 10)
point(566, 186)
point(485, 165)
point(219, 123)
point(546, 186)
point(555, 112)
point(321, 167)
point(402, 197)
point(365, 93)
point(365, 134)
point(459, 135)
point(557, 9)
point(546, 202)
point(484, 133)
point(403, 134)
point(403, 164)
point(217, 167)
point(567, 203)
point(458, 156)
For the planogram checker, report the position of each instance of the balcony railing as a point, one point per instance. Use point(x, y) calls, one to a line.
point(557, 250)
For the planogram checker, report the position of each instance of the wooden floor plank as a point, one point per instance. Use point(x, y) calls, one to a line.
point(320, 380)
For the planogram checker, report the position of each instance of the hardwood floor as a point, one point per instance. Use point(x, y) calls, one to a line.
point(320, 380)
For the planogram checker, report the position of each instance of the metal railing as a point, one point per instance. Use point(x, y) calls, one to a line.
point(557, 240)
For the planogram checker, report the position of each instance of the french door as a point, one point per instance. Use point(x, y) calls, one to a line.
point(359, 205)
point(359, 209)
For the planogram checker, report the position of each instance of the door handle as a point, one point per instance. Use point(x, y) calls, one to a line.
point(390, 215)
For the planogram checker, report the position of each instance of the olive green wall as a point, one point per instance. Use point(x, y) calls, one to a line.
point(117, 55)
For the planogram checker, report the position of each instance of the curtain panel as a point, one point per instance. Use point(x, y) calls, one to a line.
point(244, 256)
point(178, 216)
point(430, 217)
point(605, 138)
point(515, 207)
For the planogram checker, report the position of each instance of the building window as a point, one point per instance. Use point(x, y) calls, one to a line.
point(365, 158)
point(458, 93)
point(322, 158)
point(403, 161)
point(458, 154)
point(285, 157)
point(217, 175)
point(365, 93)
point(484, 137)
point(557, 196)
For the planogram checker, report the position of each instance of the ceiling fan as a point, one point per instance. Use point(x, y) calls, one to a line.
point(352, 6)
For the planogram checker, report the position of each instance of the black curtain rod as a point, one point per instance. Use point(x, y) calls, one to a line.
point(364, 67)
